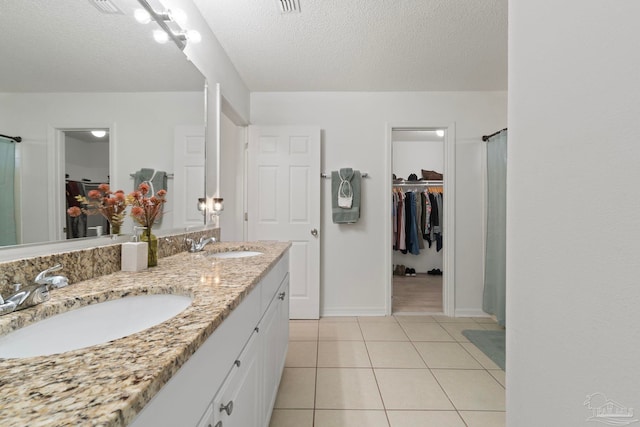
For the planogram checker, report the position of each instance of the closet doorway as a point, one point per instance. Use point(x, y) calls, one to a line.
point(420, 261)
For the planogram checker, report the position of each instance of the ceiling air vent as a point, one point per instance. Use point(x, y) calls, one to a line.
point(107, 7)
point(289, 6)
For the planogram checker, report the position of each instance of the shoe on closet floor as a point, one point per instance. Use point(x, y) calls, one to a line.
point(413, 272)
point(407, 272)
point(401, 270)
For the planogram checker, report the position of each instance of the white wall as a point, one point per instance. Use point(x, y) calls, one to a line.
point(86, 160)
point(573, 233)
point(232, 182)
point(411, 157)
point(354, 135)
point(143, 137)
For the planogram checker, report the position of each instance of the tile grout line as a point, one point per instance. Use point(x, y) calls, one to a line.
point(375, 378)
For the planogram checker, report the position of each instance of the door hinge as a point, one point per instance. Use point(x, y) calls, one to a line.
point(246, 145)
point(246, 216)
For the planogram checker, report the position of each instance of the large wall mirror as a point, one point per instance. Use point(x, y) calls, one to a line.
point(74, 66)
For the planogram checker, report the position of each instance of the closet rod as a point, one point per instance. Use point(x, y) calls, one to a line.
point(436, 183)
point(486, 137)
point(14, 138)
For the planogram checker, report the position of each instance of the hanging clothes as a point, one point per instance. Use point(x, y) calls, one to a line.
point(410, 225)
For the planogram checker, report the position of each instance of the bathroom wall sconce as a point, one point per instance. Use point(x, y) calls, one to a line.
point(218, 205)
point(202, 205)
point(170, 22)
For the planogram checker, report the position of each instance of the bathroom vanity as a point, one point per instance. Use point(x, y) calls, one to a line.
point(218, 363)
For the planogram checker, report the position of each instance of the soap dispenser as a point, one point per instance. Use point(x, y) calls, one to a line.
point(134, 253)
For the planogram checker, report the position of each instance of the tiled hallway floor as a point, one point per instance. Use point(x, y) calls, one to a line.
point(399, 371)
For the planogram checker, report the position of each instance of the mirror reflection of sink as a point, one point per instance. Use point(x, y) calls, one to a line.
point(234, 254)
point(91, 325)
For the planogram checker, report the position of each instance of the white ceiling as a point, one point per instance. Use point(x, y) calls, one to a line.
point(69, 46)
point(364, 45)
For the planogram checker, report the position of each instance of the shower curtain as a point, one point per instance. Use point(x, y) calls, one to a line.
point(495, 251)
point(7, 208)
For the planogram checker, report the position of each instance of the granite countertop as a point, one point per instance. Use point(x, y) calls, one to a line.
point(108, 384)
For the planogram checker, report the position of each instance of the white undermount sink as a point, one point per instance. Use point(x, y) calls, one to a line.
point(91, 325)
point(234, 254)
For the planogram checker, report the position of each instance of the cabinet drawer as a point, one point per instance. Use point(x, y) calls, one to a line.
point(272, 281)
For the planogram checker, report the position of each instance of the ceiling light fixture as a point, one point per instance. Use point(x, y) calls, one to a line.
point(440, 133)
point(171, 23)
point(99, 133)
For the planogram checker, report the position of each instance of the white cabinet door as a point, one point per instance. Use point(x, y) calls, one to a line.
point(275, 325)
point(284, 204)
point(237, 403)
point(207, 418)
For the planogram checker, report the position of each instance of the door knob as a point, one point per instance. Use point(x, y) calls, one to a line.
point(314, 232)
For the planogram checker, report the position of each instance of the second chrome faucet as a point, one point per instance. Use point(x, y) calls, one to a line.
point(193, 246)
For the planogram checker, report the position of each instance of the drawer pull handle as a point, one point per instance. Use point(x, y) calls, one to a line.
point(257, 329)
point(228, 408)
point(237, 363)
point(281, 295)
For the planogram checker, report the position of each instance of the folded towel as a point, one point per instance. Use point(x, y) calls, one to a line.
point(345, 215)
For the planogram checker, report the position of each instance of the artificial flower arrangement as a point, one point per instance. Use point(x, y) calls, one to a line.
point(110, 204)
point(146, 210)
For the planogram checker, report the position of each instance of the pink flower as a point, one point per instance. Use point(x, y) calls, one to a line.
point(104, 188)
point(144, 188)
point(74, 211)
point(137, 211)
point(162, 193)
point(95, 194)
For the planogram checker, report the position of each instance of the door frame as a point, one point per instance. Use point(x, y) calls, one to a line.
point(56, 164)
point(448, 279)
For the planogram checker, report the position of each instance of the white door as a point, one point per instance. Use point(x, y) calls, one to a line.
point(284, 204)
point(188, 176)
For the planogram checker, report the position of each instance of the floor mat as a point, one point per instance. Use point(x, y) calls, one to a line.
point(491, 343)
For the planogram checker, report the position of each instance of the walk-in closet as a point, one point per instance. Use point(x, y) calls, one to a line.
point(417, 221)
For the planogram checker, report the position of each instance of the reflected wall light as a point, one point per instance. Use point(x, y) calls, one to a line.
point(218, 205)
point(202, 205)
point(99, 133)
point(440, 133)
point(171, 23)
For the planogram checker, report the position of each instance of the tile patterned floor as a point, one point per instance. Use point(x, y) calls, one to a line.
point(398, 371)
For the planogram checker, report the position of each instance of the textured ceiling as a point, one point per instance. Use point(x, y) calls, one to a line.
point(368, 45)
point(69, 46)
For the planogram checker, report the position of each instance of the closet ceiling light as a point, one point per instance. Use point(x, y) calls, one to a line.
point(99, 133)
point(440, 133)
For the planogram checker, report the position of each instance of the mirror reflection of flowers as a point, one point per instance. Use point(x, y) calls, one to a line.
point(110, 204)
point(146, 209)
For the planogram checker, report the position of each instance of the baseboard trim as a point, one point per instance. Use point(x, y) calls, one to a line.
point(470, 312)
point(353, 311)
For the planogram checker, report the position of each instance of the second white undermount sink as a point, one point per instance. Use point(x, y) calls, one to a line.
point(91, 325)
point(234, 254)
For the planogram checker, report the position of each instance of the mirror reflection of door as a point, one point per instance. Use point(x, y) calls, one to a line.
point(86, 167)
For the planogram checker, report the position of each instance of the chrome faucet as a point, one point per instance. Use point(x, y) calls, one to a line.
point(52, 281)
point(30, 295)
point(193, 246)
